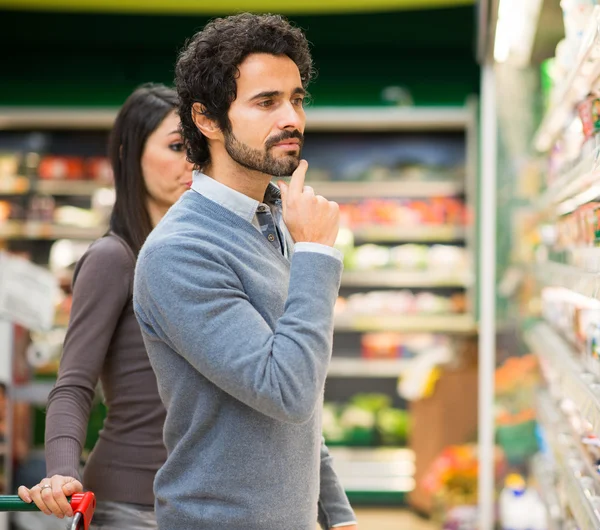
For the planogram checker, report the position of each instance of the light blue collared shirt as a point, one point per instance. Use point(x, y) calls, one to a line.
point(246, 208)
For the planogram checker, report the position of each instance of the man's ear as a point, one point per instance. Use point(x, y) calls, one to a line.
point(206, 125)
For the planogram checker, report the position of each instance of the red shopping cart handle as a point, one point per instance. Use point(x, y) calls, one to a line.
point(83, 505)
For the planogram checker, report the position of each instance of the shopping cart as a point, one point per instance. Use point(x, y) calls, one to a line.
point(83, 505)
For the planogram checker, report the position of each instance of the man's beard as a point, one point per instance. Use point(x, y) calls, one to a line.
point(263, 161)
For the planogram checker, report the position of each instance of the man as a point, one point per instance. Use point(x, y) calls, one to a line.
point(235, 292)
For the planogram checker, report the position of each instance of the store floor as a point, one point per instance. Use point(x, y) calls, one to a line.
point(391, 519)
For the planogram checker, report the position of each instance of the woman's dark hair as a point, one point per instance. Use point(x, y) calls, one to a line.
point(207, 68)
point(141, 114)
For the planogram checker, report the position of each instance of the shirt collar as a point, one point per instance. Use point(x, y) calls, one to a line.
point(231, 199)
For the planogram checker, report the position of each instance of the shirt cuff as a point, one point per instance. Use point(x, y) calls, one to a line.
point(319, 249)
point(344, 524)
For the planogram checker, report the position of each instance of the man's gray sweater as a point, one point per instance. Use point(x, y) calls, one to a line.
point(240, 340)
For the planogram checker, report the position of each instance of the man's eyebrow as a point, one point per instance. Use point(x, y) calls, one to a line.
point(267, 94)
point(276, 93)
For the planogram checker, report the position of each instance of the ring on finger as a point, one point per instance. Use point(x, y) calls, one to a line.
point(44, 486)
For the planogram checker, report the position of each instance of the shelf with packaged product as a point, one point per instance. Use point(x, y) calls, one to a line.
point(543, 475)
point(569, 376)
point(579, 481)
point(574, 88)
point(570, 277)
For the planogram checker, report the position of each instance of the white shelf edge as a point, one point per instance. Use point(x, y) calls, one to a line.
point(360, 190)
point(570, 277)
point(387, 118)
point(402, 279)
point(318, 118)
point(30, 230)
point(560, 443)
point(347, 367)
point(57, 117)
point(419, 233)
point(459, 323)
point(547, 492)
point(551, 347)
point(69, 187)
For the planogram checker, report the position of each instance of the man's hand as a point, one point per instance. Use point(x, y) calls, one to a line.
point(310, 218)
point(50, 495)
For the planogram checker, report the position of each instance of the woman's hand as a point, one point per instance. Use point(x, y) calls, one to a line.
point(50, 495)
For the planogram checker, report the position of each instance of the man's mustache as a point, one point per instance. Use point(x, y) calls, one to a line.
point(285, 135)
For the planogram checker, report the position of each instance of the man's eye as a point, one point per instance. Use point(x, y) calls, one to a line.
point(266, 103)
point(177, 147)
point(299, 102)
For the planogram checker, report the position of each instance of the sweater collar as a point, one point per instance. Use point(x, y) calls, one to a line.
point(231, 199)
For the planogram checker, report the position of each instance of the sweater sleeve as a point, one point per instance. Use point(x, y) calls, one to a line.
point(334, 507)
point(102, 286)
point(196, 304)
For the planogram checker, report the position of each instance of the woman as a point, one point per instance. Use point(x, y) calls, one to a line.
point(104, 342)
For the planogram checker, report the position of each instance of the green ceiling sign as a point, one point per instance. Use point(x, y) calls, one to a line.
point(217, 7)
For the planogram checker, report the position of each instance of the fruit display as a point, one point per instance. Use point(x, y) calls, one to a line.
point(403, 212)
point(366, 420)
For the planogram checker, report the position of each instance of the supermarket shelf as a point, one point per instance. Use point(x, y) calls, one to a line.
point(401, 279)
point(375, 470)
point(348, 367)
point(36, 393)
point(575, 87)
point(572, 380)
point(576, 186)
point(56, 118)
point(420, 234)
point(458, 323)
point(69, 187)
point(547, 491)
point(34, 230)
point(318, 119)
point(569, 464)
point(16, 185)
point(360, 190)
point(569, 277)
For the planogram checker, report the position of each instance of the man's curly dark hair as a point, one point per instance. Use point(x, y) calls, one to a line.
point(208, 67)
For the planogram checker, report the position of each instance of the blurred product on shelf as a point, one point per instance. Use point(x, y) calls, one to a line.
point(516, 384)
point(388, 345)
point(391, 157)
point(452, 480)
point(520, 507)
point(403, 212)
point(399, 303)
point(366, 420)
point(575, 316)
point(408, 257)
point(75, 168)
